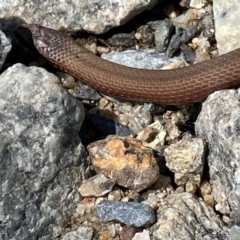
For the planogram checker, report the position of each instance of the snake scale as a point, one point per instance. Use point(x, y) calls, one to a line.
point(178, 86)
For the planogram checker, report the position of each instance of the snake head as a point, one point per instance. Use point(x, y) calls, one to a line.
point(44, 39)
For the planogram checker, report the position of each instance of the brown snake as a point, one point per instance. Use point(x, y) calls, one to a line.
point(178, 86)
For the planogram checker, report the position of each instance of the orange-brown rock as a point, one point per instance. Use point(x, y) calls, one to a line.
point(125, 160)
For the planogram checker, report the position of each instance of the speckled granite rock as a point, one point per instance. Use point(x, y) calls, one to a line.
point(42, 160)
point(130, 213)
point(95, 16)
point(182, 216)
point(227, 18)
point(218, 123)
point(82, 233)
point(144, 59)
point(186, 159)
point(5, 47)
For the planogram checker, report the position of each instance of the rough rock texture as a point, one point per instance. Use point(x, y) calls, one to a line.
point(227, 18)
point(186, 159)
point(97, 185)
point(93, 15)
point(42, 161)
point(125, 160)
point(130, 213)
point(5, 47)
point(218, 123)
point(182, 216)
point(143, 59)
point(153, 136)
point(82, 233)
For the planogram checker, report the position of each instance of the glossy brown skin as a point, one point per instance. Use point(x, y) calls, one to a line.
point(178, 86)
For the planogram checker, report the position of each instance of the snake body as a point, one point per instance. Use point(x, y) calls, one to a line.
point(178, 86)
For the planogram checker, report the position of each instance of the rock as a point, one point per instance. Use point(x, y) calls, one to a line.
point(162, 34)
point(234, 233)
point(127, 233)
point(173, 46)
point(218, 124)
point(186, 160)
point(82, 233)
point(122, 40)
point(153, 136)
point(183, 216)
point(143, 59)
point(130, 213)
point(115, 195)
point(188, 53)
point(181, 21)
point(125, 160)
point(206, 192)
point(188, 34)
point(5, 47)
point(97, 186)
point(226, 19)
point(42, 160)
point(198, 3)
point(93, 16)
point(144, 235)
point(138, 118)
point(208, 27)
point(145, 35)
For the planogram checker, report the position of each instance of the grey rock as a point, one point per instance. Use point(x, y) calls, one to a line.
point(130, 213)
point(82, 233)
point(226, 19)
point(93, 15)
point(208, 27)
point(188, 53)
point(174, 44)
point(162, 34)
point(234, 233)
point(188, 34)
point(42, 160)
point(97, 185)
point(218, 124)
point(5, 47)
point(182, 216)
point(186, 159)
point(85, 92)
point(143, 59)
point(122, 39)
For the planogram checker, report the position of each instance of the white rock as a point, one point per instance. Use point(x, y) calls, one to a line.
point(227, 18)
point(93, 15)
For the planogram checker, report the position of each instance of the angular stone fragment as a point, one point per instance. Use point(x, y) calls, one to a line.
point(130, 213)
point(5, 47)
point(182, 216)
point(97, 186)
point(186, 160)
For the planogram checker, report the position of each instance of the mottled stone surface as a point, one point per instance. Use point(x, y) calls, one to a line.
point(125, 160)
point(186, 159)
point(182, 216)
point(227, 18)
point(82, 233)
point(130, 213)
point(93, 15)
point(97, 185)
point(143, 59)
point(5, 47)
point(153, 136)
point(42, 160)
point(218, 123)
